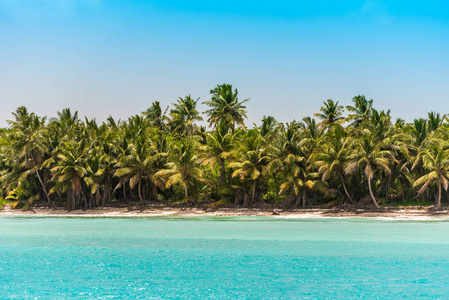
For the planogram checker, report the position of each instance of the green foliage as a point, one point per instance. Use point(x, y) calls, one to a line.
point(225, 107)
point(19, 198)
point(160, 156)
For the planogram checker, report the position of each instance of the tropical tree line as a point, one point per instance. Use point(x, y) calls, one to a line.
point(356, 155)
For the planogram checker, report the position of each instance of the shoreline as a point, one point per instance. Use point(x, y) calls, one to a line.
point(387, 213)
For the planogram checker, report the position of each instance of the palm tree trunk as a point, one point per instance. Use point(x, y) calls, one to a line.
point(140, 194)
point(124, 192)
point(43, 186)
point(254, 191)
point(153, 193)
point(91, 200)
point(344, 187)
point(186, 194)
point(97, 197)
point(439, 192)
point(236, 200)
point(246, 200)
point(222, 172)
point(106, 191)
point(388, 187)
point(68, 200)
point(371, 193)
point(83, 196)
point(304, 199)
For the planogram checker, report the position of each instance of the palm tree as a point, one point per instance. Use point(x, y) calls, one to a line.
point(69, 172)
point(156, 117)
point(28, 140)
point(109, 148)
point(218, 149)
point(251, 163)
point(182, 168)
point(418, 132)
point(310, 128)
point(417, 141)
point(299, 181)
point(331, 156)
point(140, 163)
point(226, 107)
point(287, 150)
point(184, 116)
point(310, 136)
point(268, 127)
point(435, 120)
point(100, 159)
point(436, 161)
point(368, 156)
point(380, 124)
point(288, 162)
point(94, 175)
point(67, 122)
point(331, 113)
point(361, 111)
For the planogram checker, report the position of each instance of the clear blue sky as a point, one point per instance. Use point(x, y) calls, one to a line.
point(115, 57)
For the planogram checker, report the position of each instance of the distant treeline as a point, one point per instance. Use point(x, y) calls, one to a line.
point(162, 155)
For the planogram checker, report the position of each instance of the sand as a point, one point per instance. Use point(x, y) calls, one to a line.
point(389, 213)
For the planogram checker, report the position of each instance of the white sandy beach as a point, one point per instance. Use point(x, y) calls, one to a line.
point(383, 214)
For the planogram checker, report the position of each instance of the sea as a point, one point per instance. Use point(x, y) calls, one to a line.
point(222, 258)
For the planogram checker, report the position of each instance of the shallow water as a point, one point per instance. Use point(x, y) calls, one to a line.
point(222, 257)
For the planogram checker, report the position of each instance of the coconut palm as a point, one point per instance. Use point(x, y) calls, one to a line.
point(287, 150)
point(380, 125)
point(311, 130)
point(331, 157)
point(156, 117)
point(184, 115)
point(94, 175)
point(140, 163)
point(417, 141)
point(108, 147)
point(434, 120)
point(101, 159)
point(251, 162)
point(268, 127)
point(310, 136)
point(69, 171)
point(226, 107)
point(218, 149)
point(418, 133)
point(436, 162)
point(182, 168)
point(28, 140)
point(67, 123)
point(299, 181)
point(331, 113)
point(360, 112)
point(288, 161)
point(368, 156)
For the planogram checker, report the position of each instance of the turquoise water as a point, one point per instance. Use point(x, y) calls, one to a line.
point(225, 258)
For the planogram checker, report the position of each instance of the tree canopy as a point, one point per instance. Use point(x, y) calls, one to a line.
point(357, 156)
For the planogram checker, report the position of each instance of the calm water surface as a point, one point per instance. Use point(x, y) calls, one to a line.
point(222, 258)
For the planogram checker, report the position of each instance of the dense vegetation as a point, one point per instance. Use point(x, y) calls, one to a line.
point(162, 155)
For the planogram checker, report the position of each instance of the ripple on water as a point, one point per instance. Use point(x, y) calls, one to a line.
point(216, 257)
